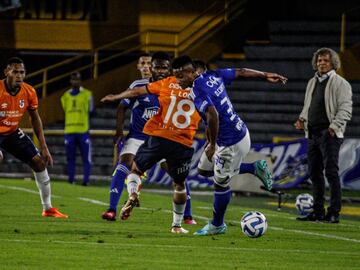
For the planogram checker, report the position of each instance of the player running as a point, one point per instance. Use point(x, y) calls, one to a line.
point(229, 139)
point(17, 97)
point(143, 108)
point(171, 132)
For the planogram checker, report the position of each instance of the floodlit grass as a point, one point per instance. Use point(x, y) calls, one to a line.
point(85, 241)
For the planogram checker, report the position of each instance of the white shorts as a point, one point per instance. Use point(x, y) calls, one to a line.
point(131, 146)
point(226, 161)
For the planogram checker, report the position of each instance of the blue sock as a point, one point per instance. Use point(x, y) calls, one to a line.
point(221, 200)
point(247, 168)
point(187, 213)
point(117, 185)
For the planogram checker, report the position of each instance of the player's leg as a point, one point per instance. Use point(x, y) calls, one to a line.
point(85, 150)
point(148, 154)
point(70, 148)
point(127, 154)
point(179, 161)
point(228, 160)
point(20, 146)
point(205, 166)
point(188, 219)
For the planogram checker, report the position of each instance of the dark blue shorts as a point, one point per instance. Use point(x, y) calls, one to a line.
point(19, 145)
point(178, 156)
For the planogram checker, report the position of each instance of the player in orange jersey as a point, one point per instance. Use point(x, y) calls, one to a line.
point(17, 97)
point(171, 132)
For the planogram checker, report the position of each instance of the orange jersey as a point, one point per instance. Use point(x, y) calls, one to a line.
point(12, 108)
point(177, 119)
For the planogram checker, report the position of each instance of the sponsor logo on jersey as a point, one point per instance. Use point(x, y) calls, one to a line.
point(2, 113)
point(21, 103)
point(4, 105)
point(149, 112)
point(174, 86)
point(147, 99)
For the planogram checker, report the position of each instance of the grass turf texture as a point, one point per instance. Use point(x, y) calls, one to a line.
point(29, 241)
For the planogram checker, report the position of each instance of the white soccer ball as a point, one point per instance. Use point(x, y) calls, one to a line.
point(304, 204)
point(253, 224)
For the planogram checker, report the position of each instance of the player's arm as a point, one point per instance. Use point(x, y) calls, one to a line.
point(39, 132)
point(129, 93)
point(120, 119)
point(212, 119)
point(252, 73)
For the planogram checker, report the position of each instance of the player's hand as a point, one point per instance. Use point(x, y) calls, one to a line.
point(209, 151)
point(332, 132)
point(108, 98)
point(1, 157)
point(118, 138)
point(275, 78)
point(299, 124)
point(47, 156)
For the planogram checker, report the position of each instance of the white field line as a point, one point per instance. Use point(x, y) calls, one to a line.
point(213, 247)
point(26, 190)
point(202, 217)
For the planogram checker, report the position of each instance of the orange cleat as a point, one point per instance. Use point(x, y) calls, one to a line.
point(53, 212)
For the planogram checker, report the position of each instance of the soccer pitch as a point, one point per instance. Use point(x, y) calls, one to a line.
point(85, 241)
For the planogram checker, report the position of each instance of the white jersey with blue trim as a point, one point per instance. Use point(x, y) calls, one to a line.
point(142, 109)
point(209, 90)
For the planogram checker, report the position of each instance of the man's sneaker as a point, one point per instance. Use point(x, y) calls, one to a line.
point(331, 218)
point(109, 215)
point(53, 212)
point(178, 230)
point(128, 207)
point(210, 229)
point(263, 173)
point(190, 221)
point(311, 217)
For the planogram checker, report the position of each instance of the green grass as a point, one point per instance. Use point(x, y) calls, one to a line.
point(85, 241)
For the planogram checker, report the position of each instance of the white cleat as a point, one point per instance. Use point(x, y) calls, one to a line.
point(178, 230)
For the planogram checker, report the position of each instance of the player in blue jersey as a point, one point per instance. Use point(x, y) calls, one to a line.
point(228, 136)
point(143, 108)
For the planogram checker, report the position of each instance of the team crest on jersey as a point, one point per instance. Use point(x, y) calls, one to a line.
point(147, 99)
point(2, 113)
point(149, 112)
point(4, 105)
point(21, 103)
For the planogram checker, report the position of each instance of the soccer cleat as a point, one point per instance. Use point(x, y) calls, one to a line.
point(109, 215)
point(178, 230)
point(190, 221)
point(53, 212)
point(128, 207)
point(210, 229)
point(331, 218)
point(263, 173)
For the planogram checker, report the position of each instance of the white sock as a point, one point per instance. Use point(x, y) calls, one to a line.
point(42, 180)
point(133, 183)
point(178, 211)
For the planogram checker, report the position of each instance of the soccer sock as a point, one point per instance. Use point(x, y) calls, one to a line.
point(42, 180)
point(247, 168)
point(179, 200)
point(221, 200)
point(133, 183)
point(117, 185)
point(187, 213)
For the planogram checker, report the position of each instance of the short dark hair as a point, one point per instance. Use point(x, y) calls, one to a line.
point(160, 55)
point(200, 64)
point(14, 60)
point(182, 61)
point(76, 74)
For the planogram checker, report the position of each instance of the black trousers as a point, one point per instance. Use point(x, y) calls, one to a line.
point(323, 153)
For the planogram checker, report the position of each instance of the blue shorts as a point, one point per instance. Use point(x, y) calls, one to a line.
point(19, 145)
point(178, 156)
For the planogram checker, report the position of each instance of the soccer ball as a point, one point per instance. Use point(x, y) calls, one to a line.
point(304, 204)
point(253, 224)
